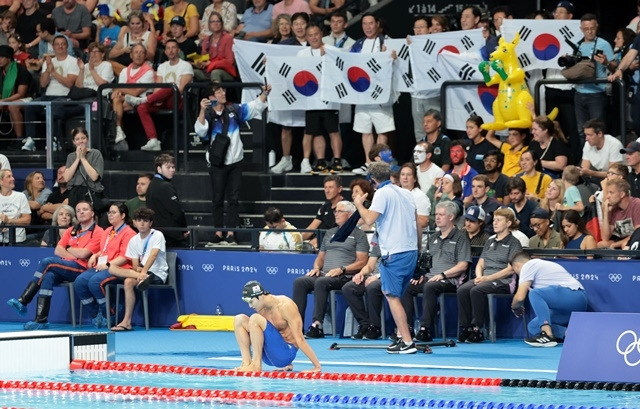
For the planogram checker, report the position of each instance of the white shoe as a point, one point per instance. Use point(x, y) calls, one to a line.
point(120, 136)
point(284, 165)
point(305, 166)
point(28, 144)
point(362, 170)
point(152, 145)
point(134, 101)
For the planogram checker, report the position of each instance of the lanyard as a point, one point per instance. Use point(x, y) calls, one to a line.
point(112, 234)
point(146, 243)
point(82, 233)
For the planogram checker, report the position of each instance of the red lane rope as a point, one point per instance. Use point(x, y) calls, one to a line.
point(149, 391)
point(185, 370)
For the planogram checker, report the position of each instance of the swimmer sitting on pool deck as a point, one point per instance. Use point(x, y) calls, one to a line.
point(274, 332)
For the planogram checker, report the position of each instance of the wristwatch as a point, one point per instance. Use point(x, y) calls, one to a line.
point(343, 269)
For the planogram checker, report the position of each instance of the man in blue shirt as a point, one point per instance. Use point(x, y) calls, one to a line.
point(256, 23)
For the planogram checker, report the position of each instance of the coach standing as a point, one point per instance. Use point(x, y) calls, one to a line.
point(394, 212)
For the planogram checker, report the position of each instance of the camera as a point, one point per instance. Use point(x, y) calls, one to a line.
point(568, 60)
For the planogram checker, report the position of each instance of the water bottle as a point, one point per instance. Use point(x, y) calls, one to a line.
point(219, 310)
point(272, 158)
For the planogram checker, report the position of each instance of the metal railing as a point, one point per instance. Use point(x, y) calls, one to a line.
point(49, 120)
point(175, 111)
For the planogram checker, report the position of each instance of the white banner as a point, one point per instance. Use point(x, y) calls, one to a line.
point(354, 78)
point(295, 84)
point(402, 78)
point(424, 52)
point(465, 101)
point(542, 41)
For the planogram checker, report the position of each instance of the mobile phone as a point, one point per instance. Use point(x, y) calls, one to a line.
point(213, 102)
point(598, 52)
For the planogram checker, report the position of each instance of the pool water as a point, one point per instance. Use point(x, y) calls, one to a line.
point(447, 396)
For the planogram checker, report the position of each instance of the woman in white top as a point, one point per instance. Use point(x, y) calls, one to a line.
point(229, 16)
point(96, 71)
point(140, 29)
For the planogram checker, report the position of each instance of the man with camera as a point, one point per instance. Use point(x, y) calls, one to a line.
point(445, 267)
point(591, 99)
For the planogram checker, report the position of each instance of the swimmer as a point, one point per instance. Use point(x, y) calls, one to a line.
point(274, 332)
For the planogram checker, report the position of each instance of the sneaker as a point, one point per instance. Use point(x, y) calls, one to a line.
point(120, 136)
point(475, 337)
point(541, 340)
point(20, 308)
point(401, 347)
point(464, 334)
point(336, 166)
point(423, 335)
point(56, 145)
point(314, 332)
point(362, 170)
point(28, 144)
point(305, 166)
point(152, 145)
point(362, 329)
point(134, 101)
point(231, 240)
point(372, 333)
point(320, 167)
point(31, 325)
point(395, 337)
point(285, 165)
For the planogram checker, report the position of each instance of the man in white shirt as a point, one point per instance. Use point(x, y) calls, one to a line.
point(428, 171)
point(600, 151)
point(138, 72)
point(14, 208)
point(338, 37)
point(59, 73)
point(174, 71)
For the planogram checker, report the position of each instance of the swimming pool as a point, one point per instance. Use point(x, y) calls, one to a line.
point(142, 389)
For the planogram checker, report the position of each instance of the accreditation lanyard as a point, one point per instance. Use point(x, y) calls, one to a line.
point(81, 233)
point(112, 234)
point(144, 247)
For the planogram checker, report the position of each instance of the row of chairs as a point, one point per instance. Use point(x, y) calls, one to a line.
point(171, 284)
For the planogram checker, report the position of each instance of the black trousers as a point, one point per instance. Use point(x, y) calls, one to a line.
point(430, 293)
point(320, 287)
point(225, 183)
point(354, 293)
point(473, 304)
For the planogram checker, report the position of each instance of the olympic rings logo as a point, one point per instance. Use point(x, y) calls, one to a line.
point(272, 270)
point(634, 345)
point(207, 268)
point(615, 277)
point(24, 262)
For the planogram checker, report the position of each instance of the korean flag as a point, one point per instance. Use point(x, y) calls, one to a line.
point(402, 77)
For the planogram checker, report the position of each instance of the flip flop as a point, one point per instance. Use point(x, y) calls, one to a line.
point(120, 328)
point(144, 284)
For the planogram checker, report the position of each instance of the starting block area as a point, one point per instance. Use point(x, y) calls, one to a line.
point(52, 350)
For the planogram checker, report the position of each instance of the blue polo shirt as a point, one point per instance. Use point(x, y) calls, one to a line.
point(257, 21)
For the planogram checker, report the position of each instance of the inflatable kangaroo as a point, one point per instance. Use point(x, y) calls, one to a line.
point(511, 106)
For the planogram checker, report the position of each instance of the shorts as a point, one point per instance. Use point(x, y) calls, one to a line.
point(369, 116)
point(396, 271)
point(318, 121)
point(276, 351)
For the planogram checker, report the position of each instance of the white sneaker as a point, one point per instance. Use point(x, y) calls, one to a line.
point(152, 145)
point(305, 166)
point(362, 170)
point(120, 136)
point(284, 165)
point(28, 144)
point(134, 101)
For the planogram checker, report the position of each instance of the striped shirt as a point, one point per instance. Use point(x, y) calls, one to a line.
point(448, 251)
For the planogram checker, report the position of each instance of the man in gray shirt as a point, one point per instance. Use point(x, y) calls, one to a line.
point(333, 267)
point(451, 254)
point(74, 21)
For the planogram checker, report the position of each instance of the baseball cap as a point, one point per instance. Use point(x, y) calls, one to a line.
point(633, 146)
point(567, 5)
point(540, 213)
point(178, 20)
point(251, 290)
point(475, 214)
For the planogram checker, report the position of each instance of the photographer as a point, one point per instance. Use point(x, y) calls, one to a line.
point(451, 256)
point(591, 99)
point(219, 123)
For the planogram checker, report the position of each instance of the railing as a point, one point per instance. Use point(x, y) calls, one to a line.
point(188, 125)
point(49, 121)
point(175, 111)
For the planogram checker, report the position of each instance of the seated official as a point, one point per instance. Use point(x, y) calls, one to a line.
point(493, 276)
point(553, 293)
point(333, 267)
point(279, 240)
point(451, 257)
point(71, 258)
